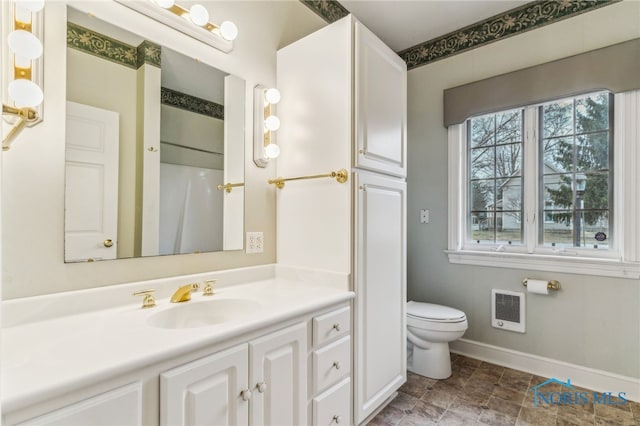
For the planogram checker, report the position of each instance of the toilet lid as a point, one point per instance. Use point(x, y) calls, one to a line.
point(434, 312)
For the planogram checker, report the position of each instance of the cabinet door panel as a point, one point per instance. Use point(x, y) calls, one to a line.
point(122, 406)
point(380, 106)
point(207, 391)
point(380, 366)
point(278, 361)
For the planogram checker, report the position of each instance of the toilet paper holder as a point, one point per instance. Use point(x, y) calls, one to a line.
point(551, 284)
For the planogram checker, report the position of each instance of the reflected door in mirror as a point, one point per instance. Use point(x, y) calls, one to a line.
point(91, 183)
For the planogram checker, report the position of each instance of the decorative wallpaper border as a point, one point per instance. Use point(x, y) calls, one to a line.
point(329, 10)
point(191, 103)
point(149, 53)
point(515, 21)
point(96, 44)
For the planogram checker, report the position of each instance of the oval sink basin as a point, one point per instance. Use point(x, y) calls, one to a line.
point(201, 314)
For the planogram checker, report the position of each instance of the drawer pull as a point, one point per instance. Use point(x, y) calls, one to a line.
point(336, 365)
point(336, 419)
point(245, 394)
point(336, 326)
point(262, 386)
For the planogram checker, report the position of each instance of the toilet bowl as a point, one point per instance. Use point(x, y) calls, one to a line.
point(430, 328)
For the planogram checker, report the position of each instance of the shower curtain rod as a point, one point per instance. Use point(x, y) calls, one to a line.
point(192, 148)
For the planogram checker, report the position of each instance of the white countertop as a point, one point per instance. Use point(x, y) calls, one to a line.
point(68, 350)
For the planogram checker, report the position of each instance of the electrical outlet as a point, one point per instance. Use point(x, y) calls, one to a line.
point(255, 242)
point(424, 216)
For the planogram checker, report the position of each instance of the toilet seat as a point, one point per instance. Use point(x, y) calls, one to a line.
point(434, 313)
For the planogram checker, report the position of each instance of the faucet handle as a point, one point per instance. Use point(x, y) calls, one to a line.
point(148, 301)
point(208, 287)
point(195, 286)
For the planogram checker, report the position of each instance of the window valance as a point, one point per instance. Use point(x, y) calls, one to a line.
point(615, 68)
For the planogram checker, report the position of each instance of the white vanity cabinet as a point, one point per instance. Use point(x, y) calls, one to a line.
point(260, 383)
point(266, 374)
point(122, 366)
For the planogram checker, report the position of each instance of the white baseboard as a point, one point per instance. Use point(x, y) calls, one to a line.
point(598, 380)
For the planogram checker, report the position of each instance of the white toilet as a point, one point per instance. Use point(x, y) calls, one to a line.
point(430, 328)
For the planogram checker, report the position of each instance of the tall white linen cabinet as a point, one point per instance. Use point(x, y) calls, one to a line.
point(344, 107)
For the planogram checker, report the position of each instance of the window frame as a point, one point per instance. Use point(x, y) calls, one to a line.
point(621, 259)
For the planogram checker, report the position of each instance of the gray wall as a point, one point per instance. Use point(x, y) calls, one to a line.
point(593, 321)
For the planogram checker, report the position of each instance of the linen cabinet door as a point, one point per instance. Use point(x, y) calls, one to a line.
point(209, 391)
point(380, 278)
point(279, 377)
point(380, 105)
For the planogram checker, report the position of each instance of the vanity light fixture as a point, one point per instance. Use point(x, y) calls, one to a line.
point(266, 122)
point(193, 21)
point(22, 71)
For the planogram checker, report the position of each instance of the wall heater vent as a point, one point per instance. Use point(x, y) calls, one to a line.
point(507, 310)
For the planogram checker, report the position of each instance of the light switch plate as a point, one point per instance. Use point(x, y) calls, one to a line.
point(255, 242)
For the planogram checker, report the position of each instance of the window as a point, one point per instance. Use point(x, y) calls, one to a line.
point(548, 187)
point(575, 172)
point(495, 144)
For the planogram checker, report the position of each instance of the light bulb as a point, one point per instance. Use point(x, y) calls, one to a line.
point(272, 123)
point(25, 93)
point(228, 30)
point(272, 150)
point(166, 4)
point(272, 95)
point(30, 5)
point(24, 44)
point(199, 15)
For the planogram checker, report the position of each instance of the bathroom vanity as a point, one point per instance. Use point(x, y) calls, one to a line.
point(271, 346)
point(275, 344)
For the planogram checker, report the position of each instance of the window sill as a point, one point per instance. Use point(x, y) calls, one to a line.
point(540, 262)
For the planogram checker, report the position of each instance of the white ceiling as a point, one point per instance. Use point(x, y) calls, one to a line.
point(402, 24)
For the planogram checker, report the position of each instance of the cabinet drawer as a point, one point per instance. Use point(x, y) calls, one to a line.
point(331, 325)
point(331, 363)
point(333, 407)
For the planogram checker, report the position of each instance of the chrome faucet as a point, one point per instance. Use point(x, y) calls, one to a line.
point(183, 294)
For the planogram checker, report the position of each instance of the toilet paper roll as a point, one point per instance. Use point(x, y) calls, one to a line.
point(537, 286)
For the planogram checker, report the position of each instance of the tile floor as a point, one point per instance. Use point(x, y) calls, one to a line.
point(479, 393)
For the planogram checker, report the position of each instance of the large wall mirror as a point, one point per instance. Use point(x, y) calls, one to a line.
point(154, 148)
